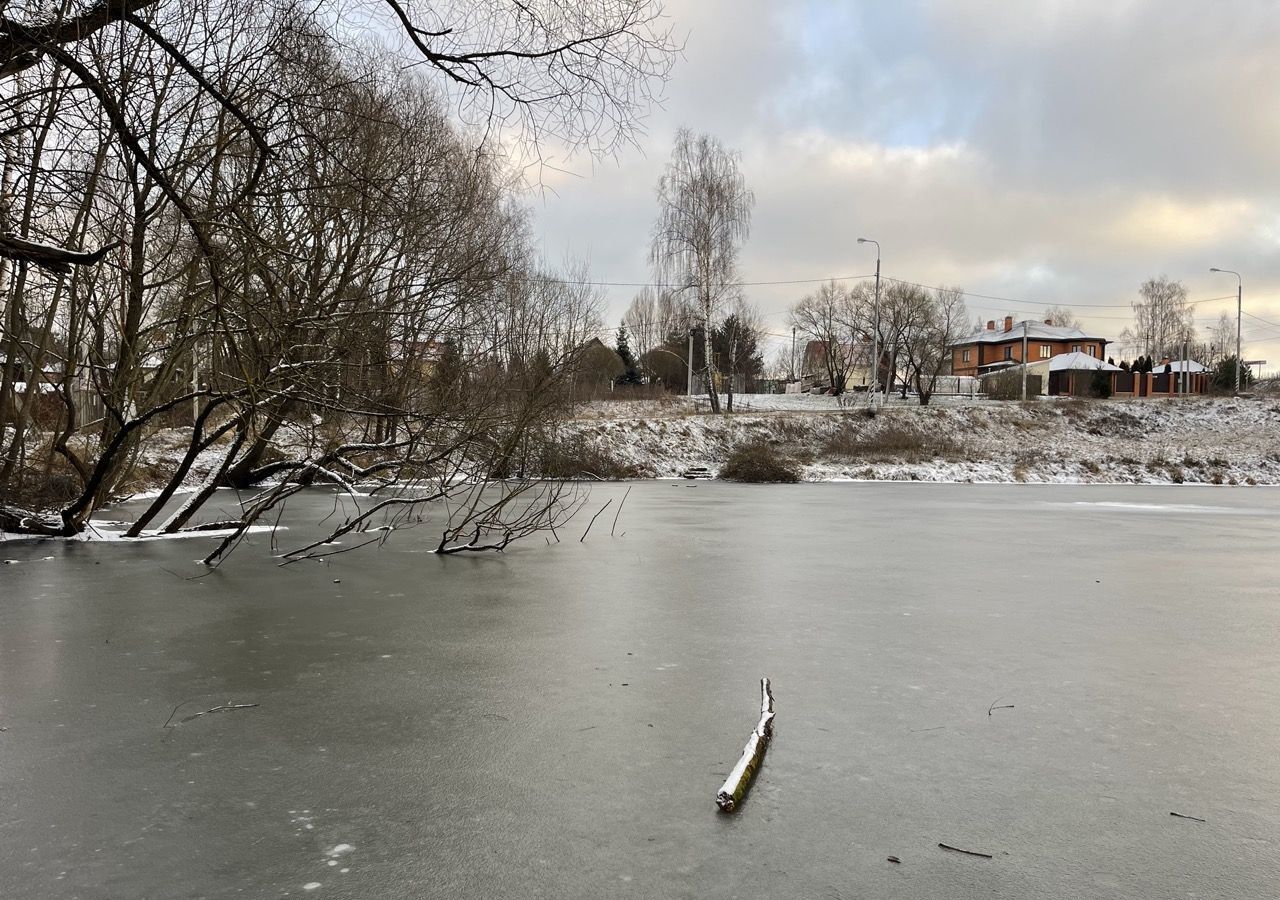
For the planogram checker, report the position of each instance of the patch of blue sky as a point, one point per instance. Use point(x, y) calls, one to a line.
point(865, 72)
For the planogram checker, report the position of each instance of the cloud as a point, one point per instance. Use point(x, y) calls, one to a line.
point(1057, 150)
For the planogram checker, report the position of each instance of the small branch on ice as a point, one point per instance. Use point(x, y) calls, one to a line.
point(1192, 818)
point(993, 705)
point(619, 512)
point(175, 712)
point(735, 787)
point(226, 707)
point(966, 852)
point(593, 521)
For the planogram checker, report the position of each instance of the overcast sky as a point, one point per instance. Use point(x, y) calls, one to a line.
point(1049, 151)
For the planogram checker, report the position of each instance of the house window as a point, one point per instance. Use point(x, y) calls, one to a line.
point(1075, 348)
point(1093, 351)
point(1008, 353)
point(1044, 351)
point(965, 356)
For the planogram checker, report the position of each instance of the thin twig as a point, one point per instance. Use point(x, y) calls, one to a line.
point(993, 705)
point(966, 852)
point(175, 712)
point(593, 521)
point(1192, 818)
point(618, 513)
point(226, 707)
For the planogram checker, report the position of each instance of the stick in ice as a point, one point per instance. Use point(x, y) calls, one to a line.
point(736, 785)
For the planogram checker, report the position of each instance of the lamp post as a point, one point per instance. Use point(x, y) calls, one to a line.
point(688, 364)
point(1239, 309)
point(875, 335)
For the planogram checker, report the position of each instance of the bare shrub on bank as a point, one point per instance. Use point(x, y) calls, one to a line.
point(759, 463)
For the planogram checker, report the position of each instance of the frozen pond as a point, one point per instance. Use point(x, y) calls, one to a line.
point(554, 722)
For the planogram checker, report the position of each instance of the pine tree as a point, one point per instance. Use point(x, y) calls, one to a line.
point(632, 373)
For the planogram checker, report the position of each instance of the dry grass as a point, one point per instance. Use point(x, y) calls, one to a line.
point(892, 442)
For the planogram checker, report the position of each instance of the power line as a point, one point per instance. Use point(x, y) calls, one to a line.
point(663, 286)
point(1262, 320)
point(775, 282)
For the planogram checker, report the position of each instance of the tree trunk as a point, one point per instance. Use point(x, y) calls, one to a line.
point(709, 353)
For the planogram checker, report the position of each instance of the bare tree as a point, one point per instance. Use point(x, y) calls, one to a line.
point(1163, 318)
point(641, 319)
point(932, 321)
point(704, 215)
point(831, 319)
point(781, 364)
point(655, 315)
point(1222, 340)
point(1061, 317)
point(315, 276)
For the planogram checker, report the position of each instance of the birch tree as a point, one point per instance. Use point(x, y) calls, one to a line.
point(704, 216)
point(1163, 318)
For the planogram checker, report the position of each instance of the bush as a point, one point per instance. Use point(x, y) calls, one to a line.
point(576, 457)
point(757, 464)
point(1100, 386)
point(1007, 385)
point(1223, 376)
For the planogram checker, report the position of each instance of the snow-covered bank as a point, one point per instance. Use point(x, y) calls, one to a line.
point(1201, 441)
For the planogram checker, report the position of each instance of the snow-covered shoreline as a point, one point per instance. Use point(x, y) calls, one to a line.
point(1189, 441)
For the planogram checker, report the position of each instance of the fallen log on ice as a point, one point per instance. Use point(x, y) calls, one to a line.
point(735, 787)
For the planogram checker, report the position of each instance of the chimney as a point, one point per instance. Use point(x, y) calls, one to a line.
point(1008, 323)
point(991, 324)
point(1048, 321)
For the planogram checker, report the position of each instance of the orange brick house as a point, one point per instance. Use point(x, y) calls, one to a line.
point(993, 348)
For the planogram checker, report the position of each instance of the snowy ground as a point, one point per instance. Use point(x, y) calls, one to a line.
point(1204, 441)
point(1198, 441)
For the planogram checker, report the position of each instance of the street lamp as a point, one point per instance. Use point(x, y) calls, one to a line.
point(875, 336)
point(689, 364)
point(1239, 307)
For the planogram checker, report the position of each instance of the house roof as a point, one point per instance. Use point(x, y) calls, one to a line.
point(1182, 365)
point(1036, 331)
point(1074, 362)
point(1063, 362)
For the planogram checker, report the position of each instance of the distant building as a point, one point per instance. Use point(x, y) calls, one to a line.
point(994, 347)
point(1078, 374)
point(857, 366)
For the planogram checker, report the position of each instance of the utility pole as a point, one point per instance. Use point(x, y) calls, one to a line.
point(1239, 313)
point(1024, 360)
point(1186, 364)
point(875, 334)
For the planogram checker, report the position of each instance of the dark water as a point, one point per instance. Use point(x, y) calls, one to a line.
point(554, 722)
